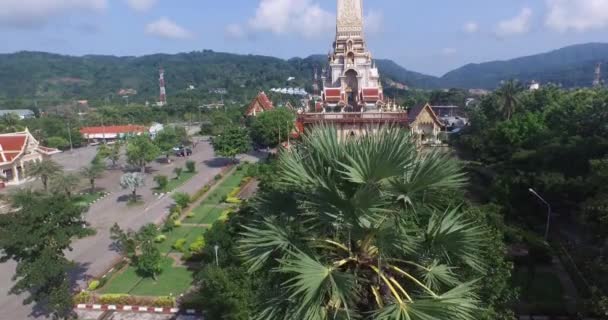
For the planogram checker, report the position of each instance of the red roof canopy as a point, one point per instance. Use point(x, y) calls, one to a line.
point(260, 101)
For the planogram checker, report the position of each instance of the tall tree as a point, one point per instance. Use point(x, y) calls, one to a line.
point(141, 151)
point(508, 96)
point(44, 170)
point(365, 229)
point(132, 181)
point(114, 154)
point(36, 235)
point(92, 172)
point(232, 142)
point(65, 183)
point(271, 128)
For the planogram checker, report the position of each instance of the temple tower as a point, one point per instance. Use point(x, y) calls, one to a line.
point(354, 83)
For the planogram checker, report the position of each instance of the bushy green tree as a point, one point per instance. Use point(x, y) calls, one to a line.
point(232, 142)
point(182, 199)
point(39, 248)
point(65, 183)
point(271, 128)
point(191, 166)
point(141, 151)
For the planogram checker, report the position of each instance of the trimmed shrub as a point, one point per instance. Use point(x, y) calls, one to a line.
point(179, 245)
point(218, 177)
point(233, 200)
point(190, 215)
point(161, 182)
point(234, 192)
point(182, 199)
point(160, 239)
point(169, 225)
point(177, 223)
point(117, 299)
point(190, 166)
point(82, 297)
point(197, 246)
point(176, 210)
point(164, 302)
point(178, 172)
point(93, 285)
point(225, 215)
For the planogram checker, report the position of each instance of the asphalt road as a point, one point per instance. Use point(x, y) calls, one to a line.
point(94, 255)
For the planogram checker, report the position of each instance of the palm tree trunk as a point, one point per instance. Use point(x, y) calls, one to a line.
point(134, 195)
point(92, 181)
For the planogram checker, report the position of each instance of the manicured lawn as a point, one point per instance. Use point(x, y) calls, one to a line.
point(176, 280)
point(173, 280)
point(202, 212)
point(189, 233)
point(176, 183)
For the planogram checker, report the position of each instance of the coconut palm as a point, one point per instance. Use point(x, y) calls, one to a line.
point(361, 228)
point(508, 95)
point(44, 170)
point(92, 172)
point(65, 183)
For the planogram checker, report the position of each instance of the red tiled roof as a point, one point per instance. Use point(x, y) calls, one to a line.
point(332, 93)
point(114, 129)
point(13, 145)
point(262, 101)
point(371, 92)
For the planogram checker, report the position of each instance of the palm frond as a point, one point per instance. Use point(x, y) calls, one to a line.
point(262, 242)
point(450, 236)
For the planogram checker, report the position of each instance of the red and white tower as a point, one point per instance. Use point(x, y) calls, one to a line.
point(162, 100)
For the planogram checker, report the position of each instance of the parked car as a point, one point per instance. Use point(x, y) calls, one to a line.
point(182, 151)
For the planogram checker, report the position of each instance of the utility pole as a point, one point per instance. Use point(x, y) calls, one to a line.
point(70, 137)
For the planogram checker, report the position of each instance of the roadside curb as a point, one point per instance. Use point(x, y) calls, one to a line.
point(142, 309)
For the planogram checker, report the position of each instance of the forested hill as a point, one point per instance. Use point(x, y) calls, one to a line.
point(571, 66)
point(38, 75)
point(45, 75)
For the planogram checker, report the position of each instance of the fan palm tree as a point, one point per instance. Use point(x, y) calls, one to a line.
point(44, 170)
point(65, 183)
point(92, 172)
point(366, 232)
point(508, 95)
point(132, 181)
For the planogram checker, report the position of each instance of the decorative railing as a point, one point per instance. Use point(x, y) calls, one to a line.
point(354, 117)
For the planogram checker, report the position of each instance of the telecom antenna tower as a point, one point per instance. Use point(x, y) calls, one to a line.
point(162, 100)
point(597, 82)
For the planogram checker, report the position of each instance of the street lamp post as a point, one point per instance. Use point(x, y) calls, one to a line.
point(217, 262)
point(532, 191)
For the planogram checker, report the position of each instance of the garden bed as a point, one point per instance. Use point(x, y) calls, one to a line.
point(176, 279)
point(176, 183)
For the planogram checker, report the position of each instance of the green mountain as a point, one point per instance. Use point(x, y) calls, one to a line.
point(42, 75)
point(571, 66)
point(52, 77)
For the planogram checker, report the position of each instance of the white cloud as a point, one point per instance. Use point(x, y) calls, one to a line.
point(373, 22)
point(235, 31)
point(470, 27)
point(519, 24)
point(165, 28)
point(141, 5)
point(303, 17)
point(448, 51)
point(36, 13)
point(579, 15)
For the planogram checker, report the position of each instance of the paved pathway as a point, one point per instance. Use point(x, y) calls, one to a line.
point(94, 255)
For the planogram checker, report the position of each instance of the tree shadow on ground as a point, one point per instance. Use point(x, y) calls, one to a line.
point(217, 162)
point(78, 278)
point(129, 199)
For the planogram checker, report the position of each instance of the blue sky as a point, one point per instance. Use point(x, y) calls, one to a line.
point(430, 36)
